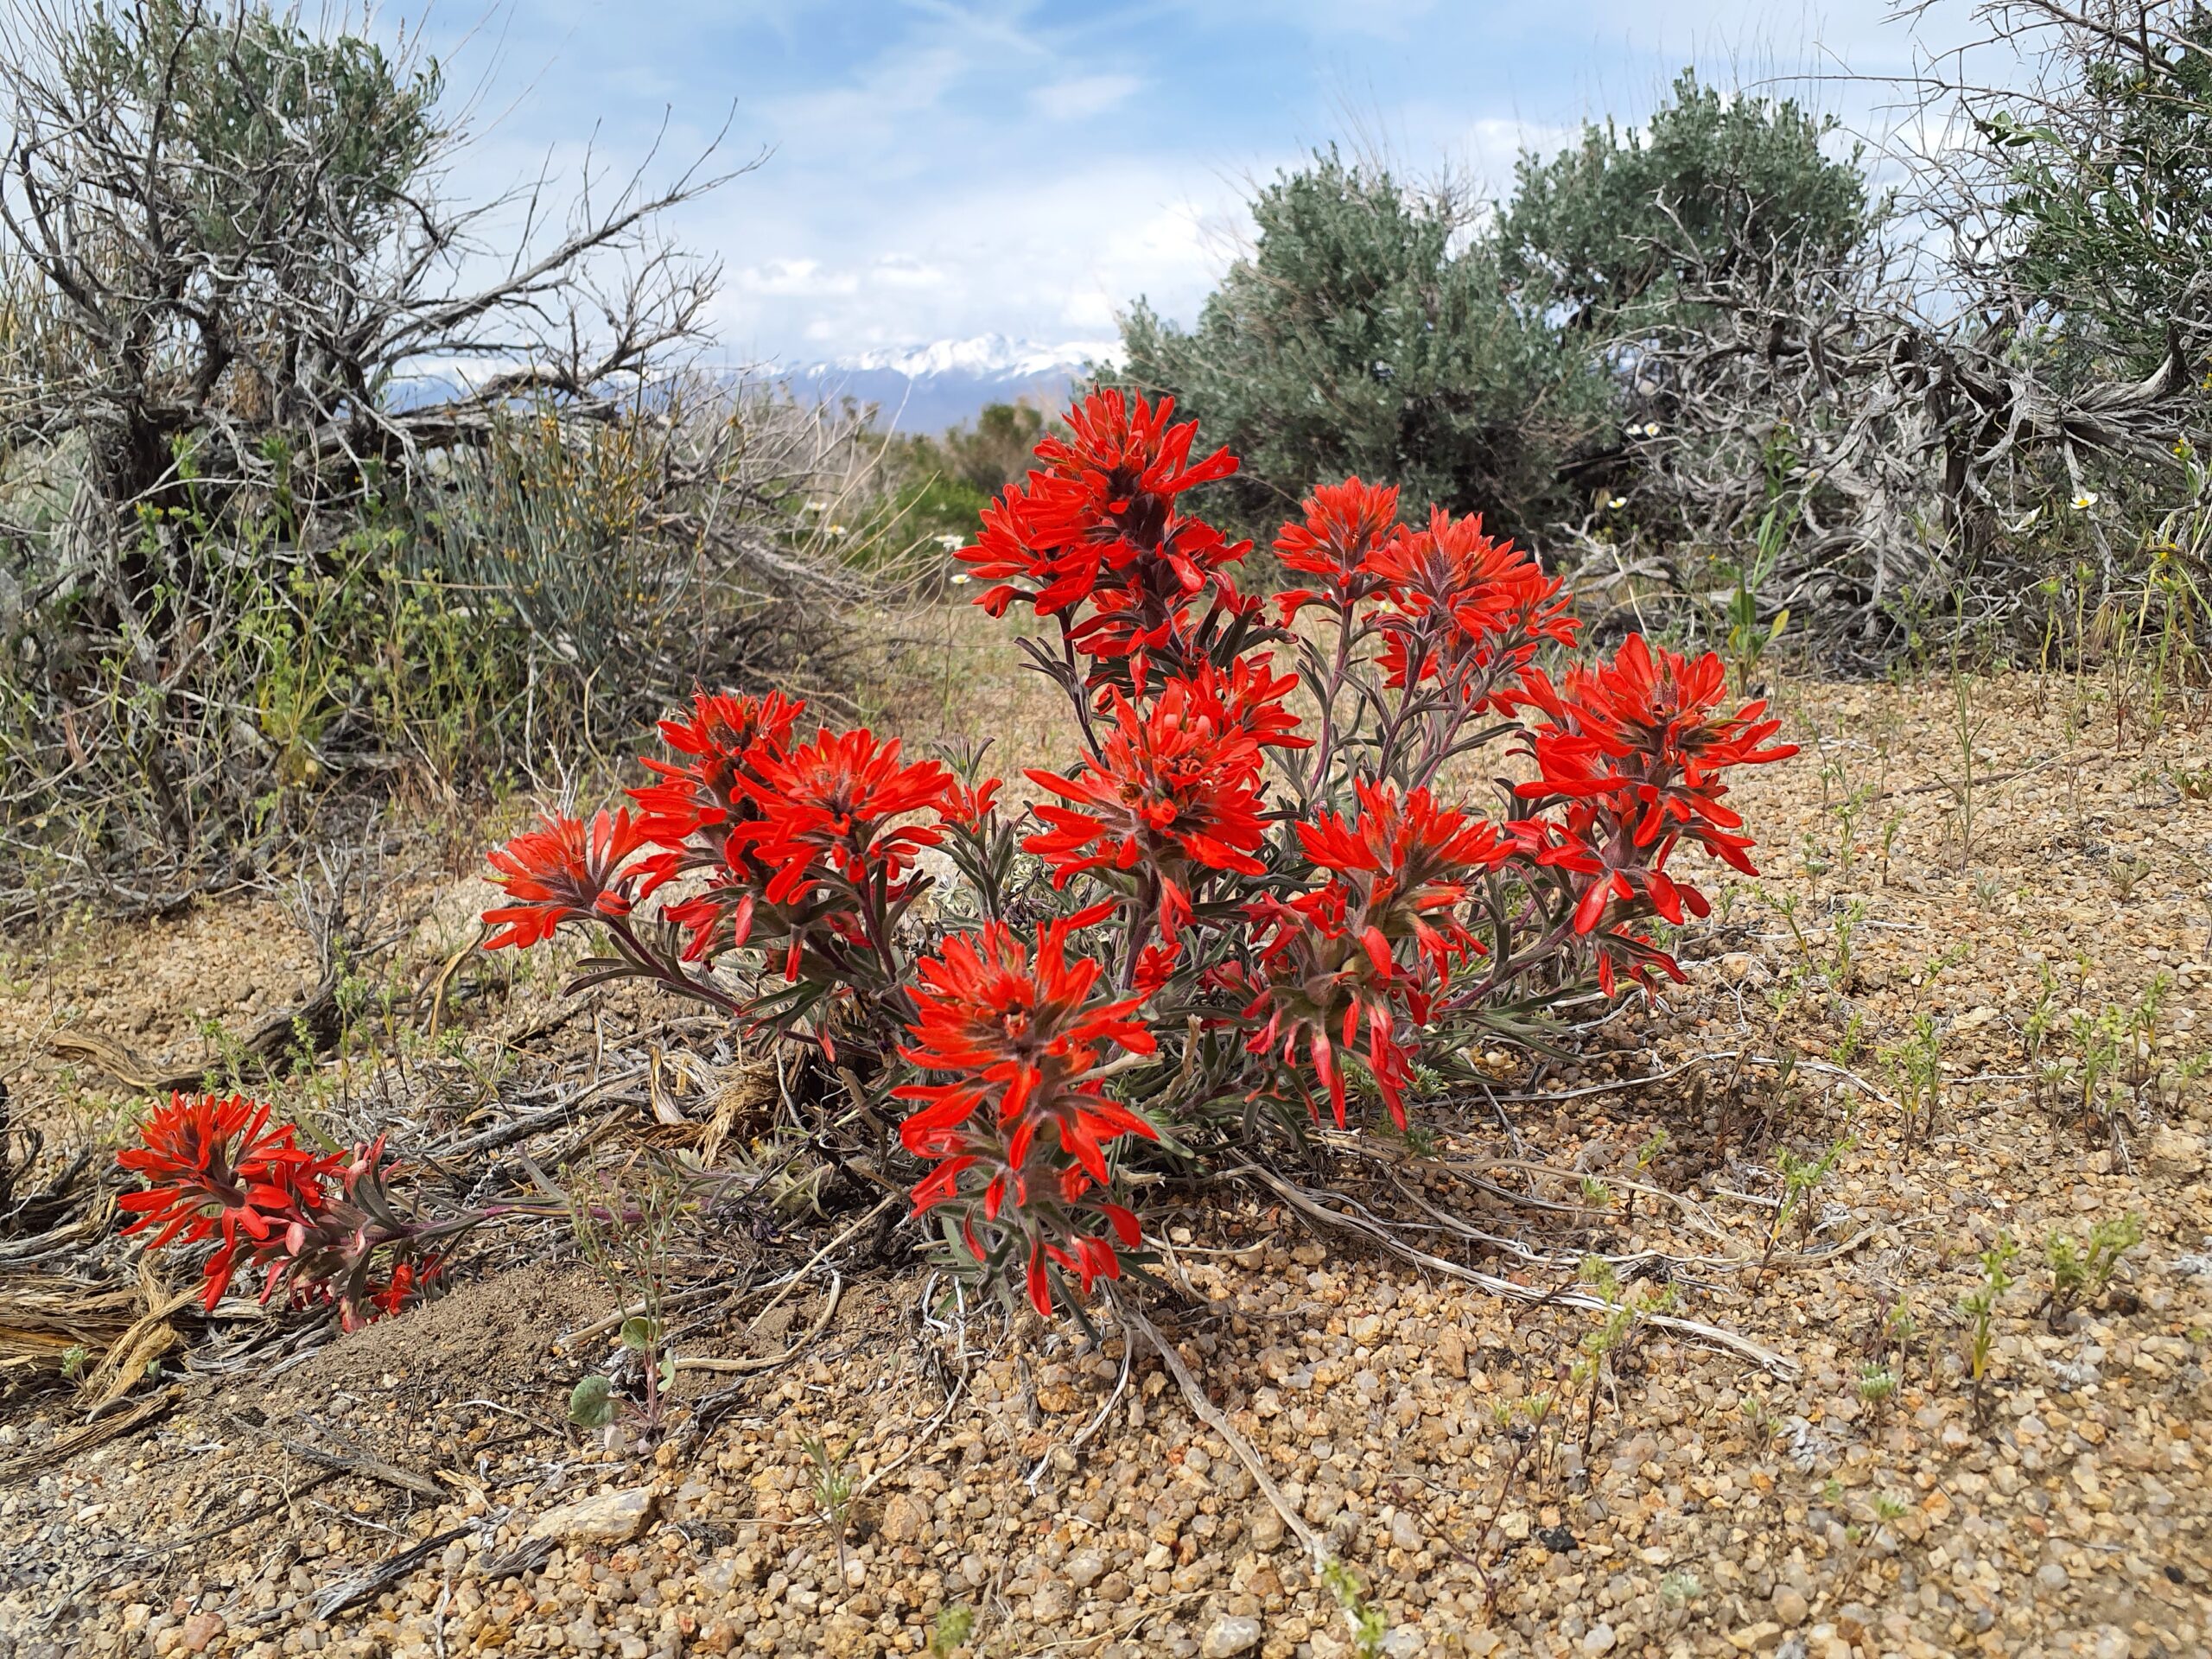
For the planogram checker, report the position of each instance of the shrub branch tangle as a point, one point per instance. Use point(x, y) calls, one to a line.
point(1222, 918)
point(252, 532)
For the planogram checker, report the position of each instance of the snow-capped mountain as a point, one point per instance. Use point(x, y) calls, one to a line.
point(932, 387)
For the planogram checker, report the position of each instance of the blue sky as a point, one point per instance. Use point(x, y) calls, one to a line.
point(942, 169)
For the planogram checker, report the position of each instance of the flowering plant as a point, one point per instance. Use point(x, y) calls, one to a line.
point(320, 1227)
point(1259, 889)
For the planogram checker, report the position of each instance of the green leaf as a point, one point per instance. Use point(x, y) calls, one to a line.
point(640, 1333)
point(591, 1402)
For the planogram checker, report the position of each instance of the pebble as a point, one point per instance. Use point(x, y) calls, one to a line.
point(1230, 1636)
point(612, 1517)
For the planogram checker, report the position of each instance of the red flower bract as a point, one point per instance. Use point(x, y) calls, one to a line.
point(1171, 789)
point(563, 872)
point(1465, 603)
point(214, 1164)
point(825, 805)
point(1345, 525)
point(1096, 524)
point(1022, 1034)
point(730, 739)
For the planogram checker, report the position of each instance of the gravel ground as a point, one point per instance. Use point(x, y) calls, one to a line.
point(1010, 1493)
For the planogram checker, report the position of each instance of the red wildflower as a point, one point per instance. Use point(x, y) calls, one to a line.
point(1022, 1037)
point(1634, 749)
point(729, 739)
point(1096, 523)
point(1465, 603)
point(562, 873)
point(1247, 697)
point(409, 1282)
point(1018, 1029)
point(1345, 525)
point(1409, 861)
point(213, 1166)
point(1170, 788)
point(825, 805)
point(967, 806)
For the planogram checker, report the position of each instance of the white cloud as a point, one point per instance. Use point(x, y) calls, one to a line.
point(1082, 96)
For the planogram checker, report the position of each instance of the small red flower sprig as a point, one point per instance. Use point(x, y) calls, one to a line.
point(1258, 883)
point(318, 1227)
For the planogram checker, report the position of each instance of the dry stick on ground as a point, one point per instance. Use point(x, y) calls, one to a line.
point(1135, 1322)
point(747, 1367)
point(815, 1260)
point(370, 1468)
point(1299, 1200)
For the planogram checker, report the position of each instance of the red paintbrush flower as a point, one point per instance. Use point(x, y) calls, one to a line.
point(730, 739)
point(1246, 697)
point(1020, 1129)
point(1464, 605)
point(1015, 1027)
point(213, 1166)
point(1632, 752)
point(1345, 525)
point(825, 806)
point(561, 873)
point(1171, 789)
point(1096, 523)
point(1407, 861)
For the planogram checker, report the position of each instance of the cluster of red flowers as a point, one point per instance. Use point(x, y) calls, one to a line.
point(800, 846)
point(1352, 912)
point(1020, 1133)
point(1630, 753)
point(1098, 526)
point(320, 1227)
point(1375, 941)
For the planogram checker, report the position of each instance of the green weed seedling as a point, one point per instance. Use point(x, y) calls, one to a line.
point(1800, 1179)
point(1979, 1308)
point(1370, 1628)
point(2080, 1270)
point(1917, 1065)
point(956, 1623)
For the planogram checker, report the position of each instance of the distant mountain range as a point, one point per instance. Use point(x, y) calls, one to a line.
point(927, 389)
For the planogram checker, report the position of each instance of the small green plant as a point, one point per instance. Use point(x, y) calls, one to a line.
point(833, 1491)
point(1891, 825)
point(1369, 1628)
point(1853, 1039)
point(2080, 1270)
point(1877, 1383)
point(1979, 1308)
point(1800, 1179)
point(1917, 1065)
point(1625, 1308)
point(74, 1359)
point(1679, 1589)
point(1751, 636)
point(625, 1237)
point(1967, 726)
point(2101, 1043)
point(955, 1624)
point(1839, 963)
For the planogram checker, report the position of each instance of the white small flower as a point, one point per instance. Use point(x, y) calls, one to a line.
point(951, 543)
point(2084, 500)
point(1651, 429)
point(962, 578)
point(815, 506)
point(833, 529)
point(1618, 502)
